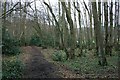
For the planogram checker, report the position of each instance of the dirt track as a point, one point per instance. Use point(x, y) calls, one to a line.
point(36, 66)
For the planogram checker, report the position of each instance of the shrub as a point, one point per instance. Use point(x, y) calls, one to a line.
point(59, 56)
point(12, 69)
point(78, 52)
point(45, 41)
point(35, 40)
point(10, 46)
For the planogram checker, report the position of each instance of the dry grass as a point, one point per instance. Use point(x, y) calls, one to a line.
point(47, 53)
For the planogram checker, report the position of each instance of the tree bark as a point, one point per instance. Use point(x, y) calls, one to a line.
point(106, 27)
point(102, 59)
point(111, 29)
point(59, 33)
point(70, 21)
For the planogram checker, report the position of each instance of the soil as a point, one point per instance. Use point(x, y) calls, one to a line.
point(36, 66)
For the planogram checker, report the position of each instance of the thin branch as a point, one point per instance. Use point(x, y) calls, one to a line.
point(86, 7)
point(12, 9)
point(77, 8)
point(52, 13)
point(9, 11)
point(29, 14)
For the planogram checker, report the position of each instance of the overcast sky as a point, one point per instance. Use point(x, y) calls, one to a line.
point(53, 3)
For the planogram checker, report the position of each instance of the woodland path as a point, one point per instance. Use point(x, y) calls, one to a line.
point(36, 66)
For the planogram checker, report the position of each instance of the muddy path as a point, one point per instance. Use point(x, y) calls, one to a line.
point(36, 66)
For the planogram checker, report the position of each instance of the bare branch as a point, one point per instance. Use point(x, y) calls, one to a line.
point(86, 7)
point(12, 9)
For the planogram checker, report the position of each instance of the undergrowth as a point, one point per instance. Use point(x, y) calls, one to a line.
point(88, 65)
point(12, 67)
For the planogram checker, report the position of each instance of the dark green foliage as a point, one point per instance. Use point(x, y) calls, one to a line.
point(69, 41)
point(12, 69)
point(59, 56)
point(46, 41)
point(117, 47)
point(89, 65)
point(10, 46)
point(23, 42)
point(35, 40)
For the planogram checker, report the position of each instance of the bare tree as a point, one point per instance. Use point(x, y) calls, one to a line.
point(97, 26)
point(111, 29)
point(106, 27)
point(72, 33)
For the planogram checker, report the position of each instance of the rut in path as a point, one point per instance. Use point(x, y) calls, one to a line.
point(36, 66)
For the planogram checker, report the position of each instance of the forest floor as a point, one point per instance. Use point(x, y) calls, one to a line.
point(37, 66)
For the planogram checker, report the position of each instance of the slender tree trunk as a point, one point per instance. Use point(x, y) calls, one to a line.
point(80, 29)
point(65, 31)
point(99, 15)
point(4, 20)
point(75, 23)
point(62, 46)
point(106, 27)
point(23, 39)
point(70, 21)
point(102, 59)
point(111, 29)
point(20, 20)
point(58, 31)
point(118, 23)
point(91, 31)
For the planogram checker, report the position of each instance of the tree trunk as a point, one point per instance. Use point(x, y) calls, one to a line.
point(58, 32)
point(91, 31)
point(70, 21)
point(80, 30)
point(111, 29)
point(4, 21)
point(102, 59)
point(65, 31)
point(75, 23)
point(106, 28)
